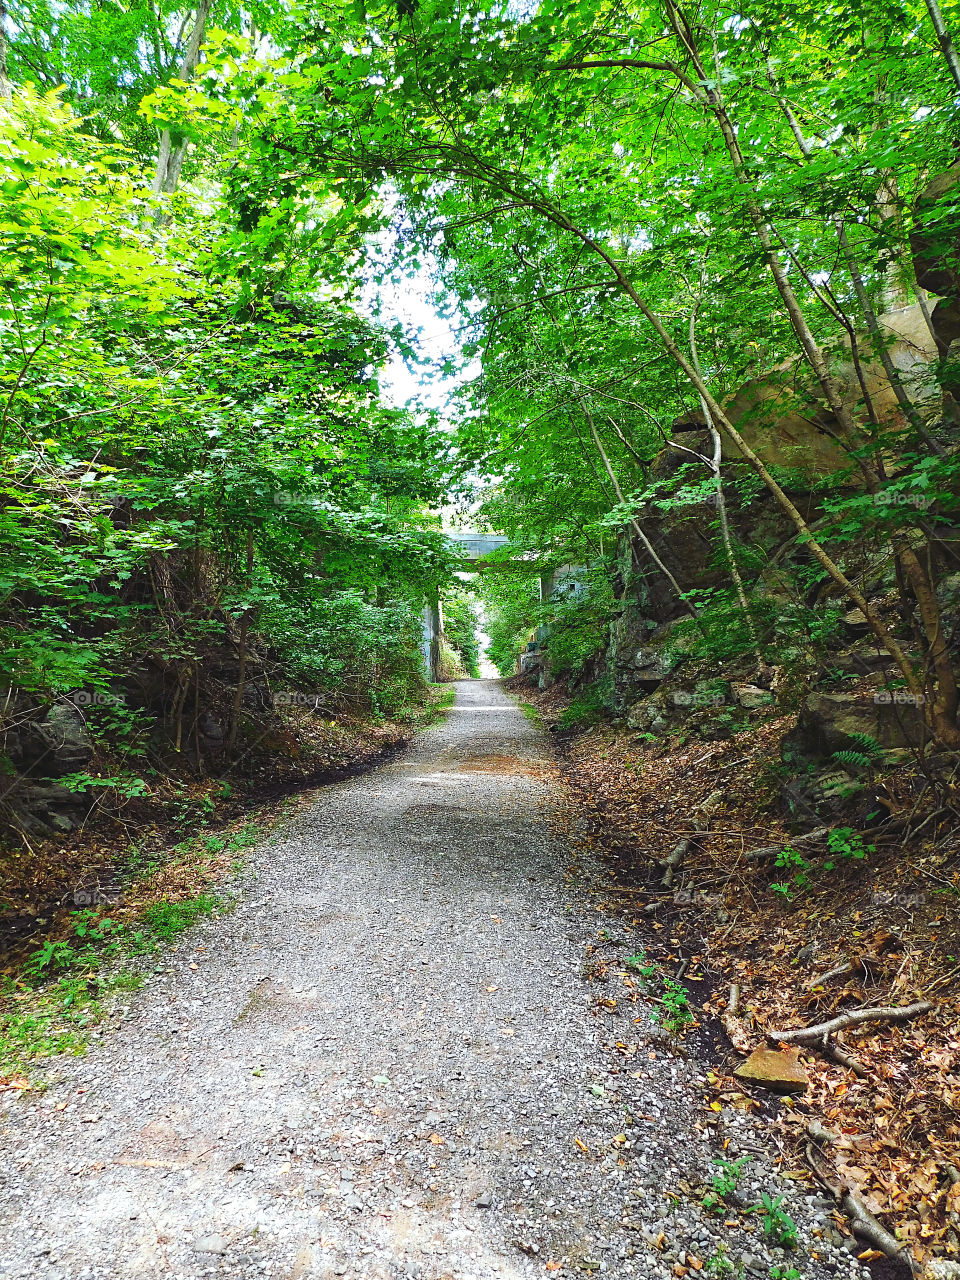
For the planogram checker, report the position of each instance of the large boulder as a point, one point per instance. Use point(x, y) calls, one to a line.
point(783, 417)
point(650, 715)
point(649, 668)
point(42, 809)
point(824, 790)
point(531, 663)
point(751, 697)
point(934, 240)
point(831, 722)
point(53, 746)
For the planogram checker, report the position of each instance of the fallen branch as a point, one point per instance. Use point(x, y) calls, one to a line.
point(881, 1013)
point(771, 850)
point(885, 828)
point(821, 1135)
point(734, 1026)
point(941, 1269)
point(834, 1052)
point(737, 1032)
point(674, 860)
point(838, 972)
point(701, 824)
point(868, 1228)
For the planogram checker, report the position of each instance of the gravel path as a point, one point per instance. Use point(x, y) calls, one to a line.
point(386, 1063)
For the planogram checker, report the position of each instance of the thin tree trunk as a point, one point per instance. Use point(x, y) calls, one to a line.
point(242, 657)
point(889, 642)
point(171, 155)
point(635, 524)
point(944, 40)
point(944, 711)
point(183, 689)
point(923, 302)
point(196, 716)
point(6, 88)
point(647, 544)
point(870, 317)
point(714, 465)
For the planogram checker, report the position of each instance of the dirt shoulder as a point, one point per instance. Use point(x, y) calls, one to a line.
point(861, 920)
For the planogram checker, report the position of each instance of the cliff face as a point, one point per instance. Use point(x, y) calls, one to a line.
point(782, 417)
point(662, 671)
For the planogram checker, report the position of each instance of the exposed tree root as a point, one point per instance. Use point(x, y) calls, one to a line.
point(862, 1221)
point(771, 850)
point(836, 1054)
point(701, 825)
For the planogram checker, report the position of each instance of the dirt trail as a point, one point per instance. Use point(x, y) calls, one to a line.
point(384, 1063)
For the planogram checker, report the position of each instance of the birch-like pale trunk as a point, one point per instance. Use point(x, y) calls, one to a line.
point(944, 40)
point(714, 464)
point(6, 88)
point(171, 155)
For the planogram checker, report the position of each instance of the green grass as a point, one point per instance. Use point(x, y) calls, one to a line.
point(440, 698)
point(530, 712)
point(168, 919)
point(66, 986)
point(56, 1018)
point(586, 709)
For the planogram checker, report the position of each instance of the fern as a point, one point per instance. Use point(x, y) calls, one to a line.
point(856, 758)
point(863, 752)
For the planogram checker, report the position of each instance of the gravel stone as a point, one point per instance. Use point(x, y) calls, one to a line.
point(211, 1244)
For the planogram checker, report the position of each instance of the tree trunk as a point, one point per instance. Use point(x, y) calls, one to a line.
point(944, 41)
point(171, 155)
point(714, 465)
point(635, 525)
point(870, 317)
point(242, 657)
point(944, 710)
point(949, 734)
point(6, 88)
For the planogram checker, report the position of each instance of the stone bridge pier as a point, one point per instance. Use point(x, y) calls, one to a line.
point(475, 550)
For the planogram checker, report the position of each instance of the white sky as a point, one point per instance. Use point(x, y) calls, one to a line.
point(425, 386)
point(431, 334)
point(411, 303)
point(487, 670)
